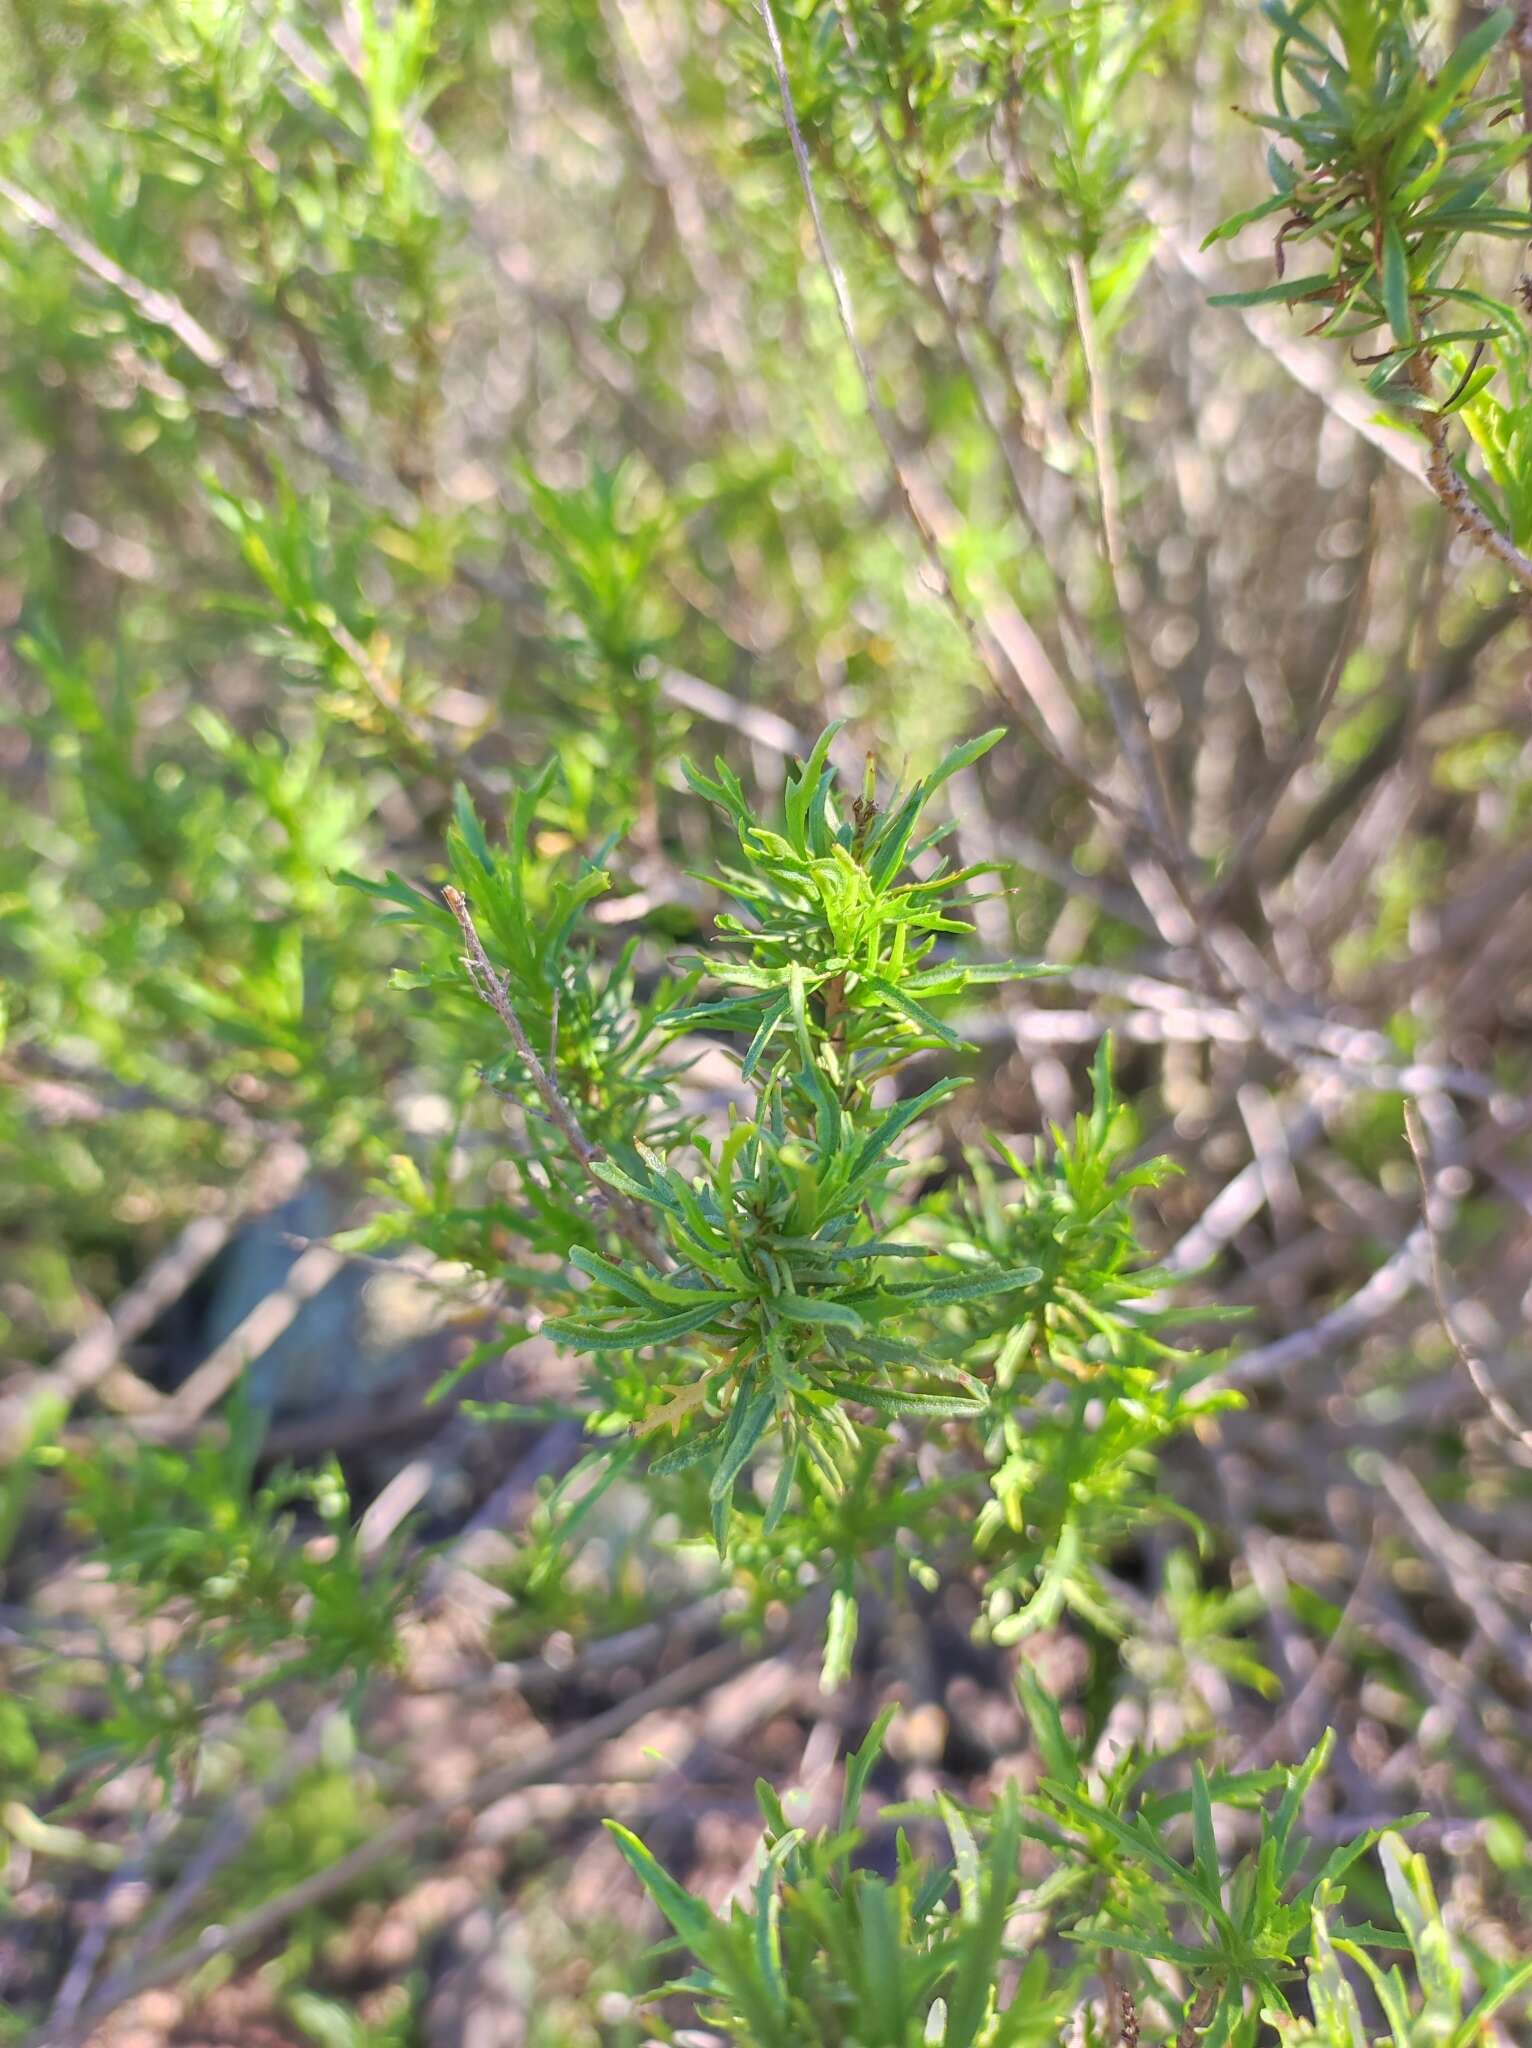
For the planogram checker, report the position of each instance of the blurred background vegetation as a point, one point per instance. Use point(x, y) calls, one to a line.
point(396, 396)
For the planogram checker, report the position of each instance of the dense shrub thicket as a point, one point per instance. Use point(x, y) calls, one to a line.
point(767, 951)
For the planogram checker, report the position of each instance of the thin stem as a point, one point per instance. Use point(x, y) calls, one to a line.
point(491, 989)
point(1151, 767)
point(1464, 509)
point(551, 1764)
point(1301, 751)
point(1500, 1410)
point(1001, 670)
point(1521, 43)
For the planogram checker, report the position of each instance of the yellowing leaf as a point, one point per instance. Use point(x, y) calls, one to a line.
point(674, 1411)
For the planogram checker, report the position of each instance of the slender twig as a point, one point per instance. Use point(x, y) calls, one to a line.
point(491, 988)
point(93, 1356)
point(550, 1764)
point(765, 728)
point(1310, 366)
point(460, 1578)
point(1301, 751)
point(1455, 1689)
point(387, 694)
point(310, 1273)
point(1226, 1214)
point(1448, 678)
point(931, 273)
point(1196, 2017)
point(1001, 668)
point(158, 308)
point(249, 400)
point(1128, 2017)
point(1288, 1730)
point(1393, 1283)
point(1500, 1410)
point(1138, 733)
point(1473, 1576)
point(633, 37)
point(543, 1676)
point(98, 1927)
point(223, 1840)
point(246, 398)
point(1463, 508)
point(1521, 43)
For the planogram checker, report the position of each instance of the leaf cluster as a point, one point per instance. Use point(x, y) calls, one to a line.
point(801, 1309)
point(1391, 167)
point(201, 1541)
point(836, 1943)
point(835, 1952)
point(1089, 1386)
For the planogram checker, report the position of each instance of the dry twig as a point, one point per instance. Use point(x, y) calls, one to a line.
point(549, 1765)
point(1500, 1410)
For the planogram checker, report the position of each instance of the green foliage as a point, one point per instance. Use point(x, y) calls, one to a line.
point(830, 1952)
point(1067, 92)
point(1391, 167)
point(1236, 1933)
point(1088, 1390)
point(1431, 2011)
point(326, 1812)
point(1211, 1629)
point(828, 1949)
point(579, 1010)
point(200, 1541)
point(799, 1290)
point(330, 2024)
point(358, 463)
point(216, 919)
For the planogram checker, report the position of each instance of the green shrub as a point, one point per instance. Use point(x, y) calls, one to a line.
point(419, 419)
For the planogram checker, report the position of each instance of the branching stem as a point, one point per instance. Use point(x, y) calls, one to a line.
point(912, 491)
point(1464, 510)
point(490, 987)
point(1139, 738)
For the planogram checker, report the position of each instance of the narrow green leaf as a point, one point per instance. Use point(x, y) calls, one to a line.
point(781, 1493)
point(859, 1767)
point(912, 1401)
point(768, 1914)
point(964, 756)
point(882, 1959)
point(583, 1336)
point(748, 1425)
point(1470, 56)
point(840, 1640)
point(1473, 2028)
point(466, 819)
point(983, 1938)
point(939, 1293)
point(1396, 284)
point(916, 1013)
point(691, 1919)
point(805, 1308)
point(802, 788)
point(1209, 1867)
point(771, 1017)
point(966, 1854)
point(1291, 291)
point(595, 1267)
point(691, 1450)
point(1060, 1758)
point(893, 1127)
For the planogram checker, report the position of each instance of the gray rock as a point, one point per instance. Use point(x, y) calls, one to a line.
point(361, 1334)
